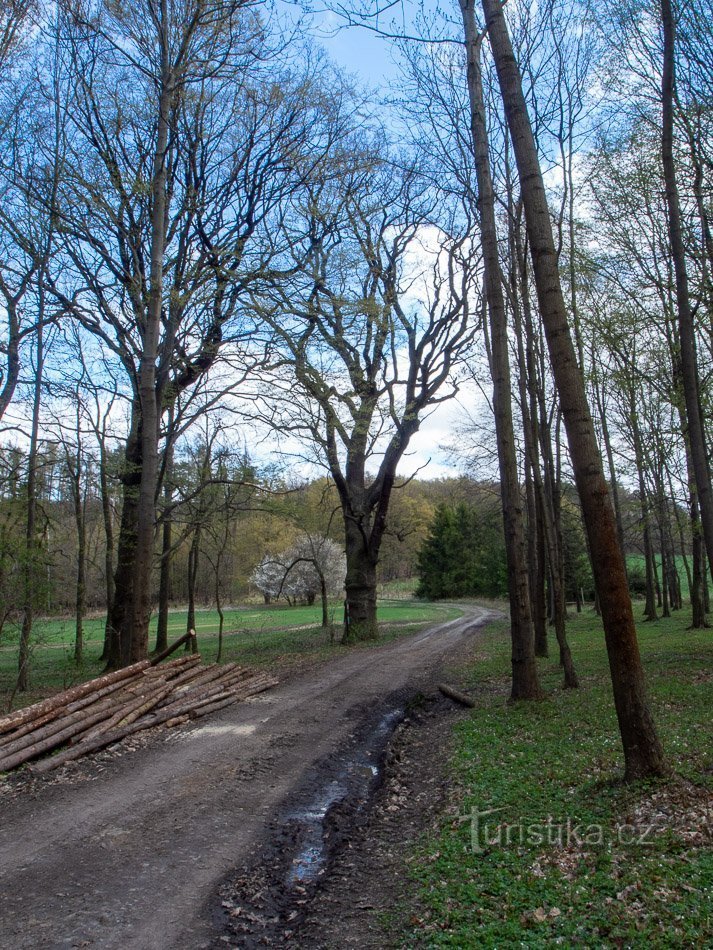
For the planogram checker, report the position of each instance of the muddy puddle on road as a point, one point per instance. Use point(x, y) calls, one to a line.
point(360, 777)
point(261, 904)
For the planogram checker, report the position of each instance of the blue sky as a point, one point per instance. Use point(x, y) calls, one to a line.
point(359, 51)
point(372, 59)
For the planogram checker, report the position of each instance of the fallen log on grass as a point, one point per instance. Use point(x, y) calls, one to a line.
point(456, 695)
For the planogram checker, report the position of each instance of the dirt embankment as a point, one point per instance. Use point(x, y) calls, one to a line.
point(130, 849)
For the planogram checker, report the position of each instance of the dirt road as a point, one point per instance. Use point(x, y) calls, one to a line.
point(128, 851)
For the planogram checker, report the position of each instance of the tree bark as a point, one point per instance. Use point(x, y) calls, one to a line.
point(109, 542)
point(539, 601)
point(698, 601)
point(32, 548)
point(12, 354)
point(606, 438)
point(527, 383)
point(643, 753)
point(80, 521)
point(164, 588)
point(221, 619)
point(550, 503)
point(525, 684)
point(135, 633)
point(323, 596)
point(130, 475)
point(359, 586)
point(650, 612)
point(193, 558)
point(687, 335)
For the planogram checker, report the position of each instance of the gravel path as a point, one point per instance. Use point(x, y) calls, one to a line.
point(126, 850)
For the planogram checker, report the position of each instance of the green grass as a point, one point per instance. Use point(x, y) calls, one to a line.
point(544, 764)
point(638, 562)
point(259, 636)
point(402, 589)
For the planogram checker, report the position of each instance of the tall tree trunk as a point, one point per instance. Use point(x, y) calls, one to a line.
point(81, 526)
point(221, 616)
point(135, 633)
point(696, 574)
point(687, 334)
point(698, 600)
point(164, 588)
point(324, 598)
point(193, 559)
point(650, 612)
point(699, 190)
point(528, 401)
point(119, 612)
point(655, 567)
point(31, 542)
point(109, 544)
point(11, 372)
point(217, 566)
point(668, 563)
point(665, 589)
point(557, 587)
point(525, 683)
point(359, 585)
point(364, 510)
point(606, 438)
point(539, 602)
point(643, 753)
point(545, 511)
point(535, 561)
point(550, 494)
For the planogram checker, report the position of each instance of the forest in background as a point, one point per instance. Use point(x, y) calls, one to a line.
point(221, 542)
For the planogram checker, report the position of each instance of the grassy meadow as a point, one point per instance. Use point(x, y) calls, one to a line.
point(544, 845)
point(256, 635)
point(638, 563)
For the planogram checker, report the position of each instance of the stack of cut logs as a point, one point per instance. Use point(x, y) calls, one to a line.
point(93, 715)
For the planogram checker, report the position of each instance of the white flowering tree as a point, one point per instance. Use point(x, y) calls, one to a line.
point(311, 567)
